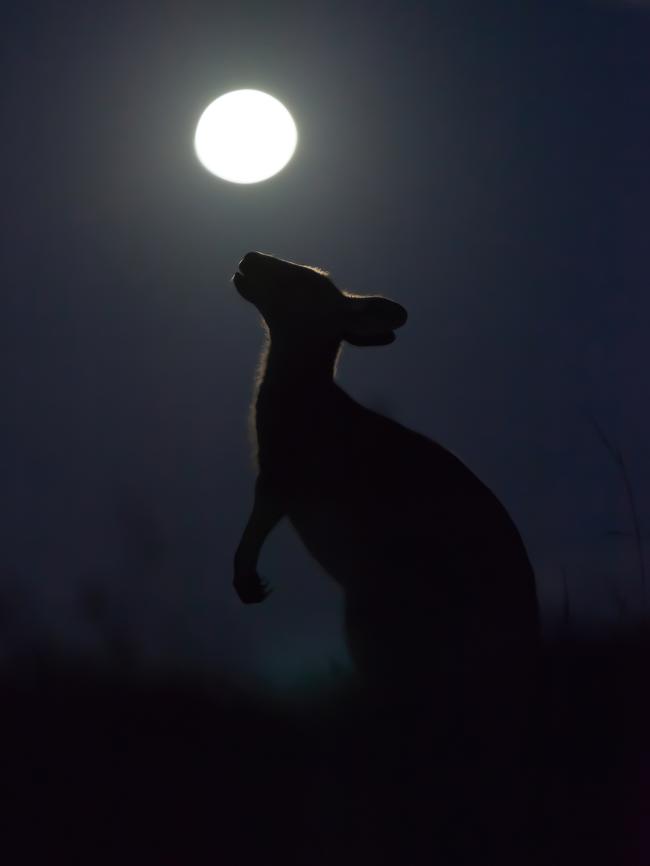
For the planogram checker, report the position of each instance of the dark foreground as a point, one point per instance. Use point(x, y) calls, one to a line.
point(102, 768)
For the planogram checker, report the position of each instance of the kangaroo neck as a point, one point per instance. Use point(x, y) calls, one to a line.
point(297, 367)
point(295, 395)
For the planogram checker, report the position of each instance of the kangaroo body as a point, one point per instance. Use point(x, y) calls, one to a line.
point(436, 579)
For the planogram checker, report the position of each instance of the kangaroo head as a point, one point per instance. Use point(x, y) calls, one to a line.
point(299, 300)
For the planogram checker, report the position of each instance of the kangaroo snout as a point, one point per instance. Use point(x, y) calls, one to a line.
point(248, 275)
point(257, 273)
point(260, 266)
point(253, 261)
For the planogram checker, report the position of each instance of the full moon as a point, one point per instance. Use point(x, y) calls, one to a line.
point(245, 136)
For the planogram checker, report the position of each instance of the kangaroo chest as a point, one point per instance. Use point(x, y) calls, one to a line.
point(296, 434)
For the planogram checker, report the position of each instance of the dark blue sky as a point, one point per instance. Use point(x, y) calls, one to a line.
point(484, 164)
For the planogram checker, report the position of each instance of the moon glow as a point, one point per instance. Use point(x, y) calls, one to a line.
point(245, 136)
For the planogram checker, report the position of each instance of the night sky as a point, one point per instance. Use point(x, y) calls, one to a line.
point(483, 164)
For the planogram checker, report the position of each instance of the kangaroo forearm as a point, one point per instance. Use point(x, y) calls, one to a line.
point(266, 514)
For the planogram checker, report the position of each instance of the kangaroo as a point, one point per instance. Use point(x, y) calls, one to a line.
point(435, 576)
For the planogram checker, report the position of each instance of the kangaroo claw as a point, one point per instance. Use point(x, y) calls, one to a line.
point(250, 588)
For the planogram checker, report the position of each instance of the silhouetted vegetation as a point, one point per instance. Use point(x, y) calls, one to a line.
point(105, 767)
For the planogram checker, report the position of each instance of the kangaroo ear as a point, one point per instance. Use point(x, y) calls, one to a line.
point(370, 321)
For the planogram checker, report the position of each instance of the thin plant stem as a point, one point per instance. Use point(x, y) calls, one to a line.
point(617, 457)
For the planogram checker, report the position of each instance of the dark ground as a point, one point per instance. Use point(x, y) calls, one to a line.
point(102, 767)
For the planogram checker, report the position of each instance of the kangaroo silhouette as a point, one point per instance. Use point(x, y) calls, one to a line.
point(435, 575)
